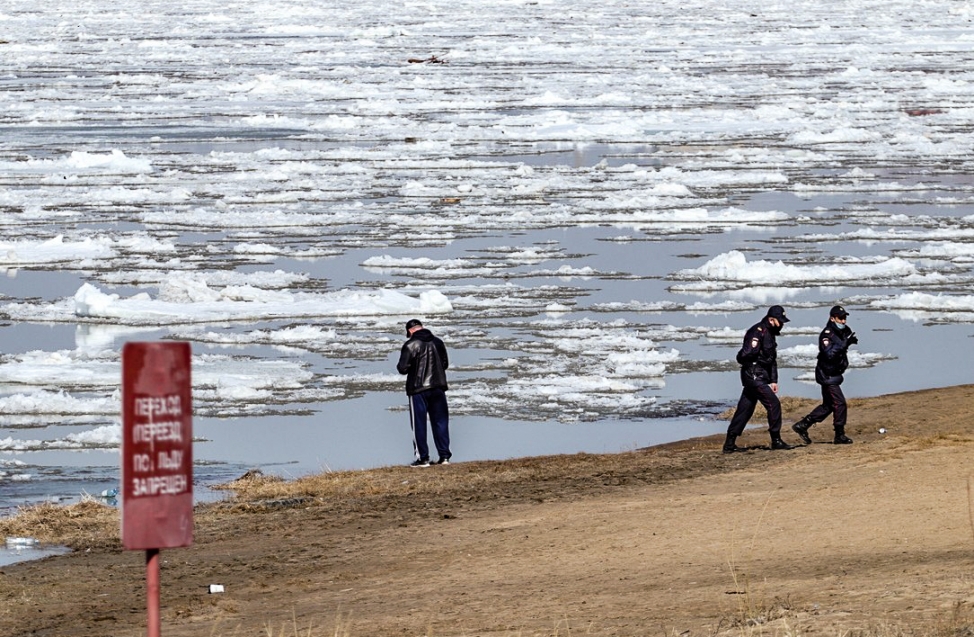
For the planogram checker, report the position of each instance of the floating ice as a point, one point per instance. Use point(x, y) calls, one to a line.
point(733, 267)
point(189, 300)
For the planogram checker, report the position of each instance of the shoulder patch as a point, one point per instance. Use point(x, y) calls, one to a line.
point(825, 342)
point(754, 342)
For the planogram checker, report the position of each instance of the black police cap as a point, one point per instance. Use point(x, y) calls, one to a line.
point(778, 312)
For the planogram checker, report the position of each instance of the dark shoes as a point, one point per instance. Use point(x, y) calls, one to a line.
point(778, 443)
point(801, 428)
point(426, 463)
point(841, 438)
point(730, 446)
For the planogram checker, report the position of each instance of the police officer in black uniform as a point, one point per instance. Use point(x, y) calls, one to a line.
point(833, 360)
point(759, 376)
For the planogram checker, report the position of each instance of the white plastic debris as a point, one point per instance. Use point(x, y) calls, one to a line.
point(21, 542)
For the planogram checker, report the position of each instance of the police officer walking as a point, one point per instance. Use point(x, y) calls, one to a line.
point(833, 360)
point(759, 375)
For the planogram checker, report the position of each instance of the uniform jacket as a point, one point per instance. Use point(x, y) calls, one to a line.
point(424, 361)
point(759, 355)
point(833, 358)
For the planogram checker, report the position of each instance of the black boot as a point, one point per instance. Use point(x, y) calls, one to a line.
point(801, 428)
point(778, 443)
point(841, 438)
point(730, 446)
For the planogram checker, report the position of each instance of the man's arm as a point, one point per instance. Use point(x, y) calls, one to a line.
point(751, 348)
point(831, 345)
point(405, 359)
point(769, 352)
point(443, 355)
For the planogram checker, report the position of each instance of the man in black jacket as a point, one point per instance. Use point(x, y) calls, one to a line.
point(424, 362)
point(833, 360)
point(758, 358)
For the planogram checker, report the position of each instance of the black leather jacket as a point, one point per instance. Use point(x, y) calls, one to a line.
point(833, 356)
point(424, 361)
point(758, 356)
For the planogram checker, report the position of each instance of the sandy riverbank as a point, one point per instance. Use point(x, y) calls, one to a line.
point(876, 537)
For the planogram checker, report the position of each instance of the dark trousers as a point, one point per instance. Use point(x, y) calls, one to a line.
point(430, 404)
point(833, 402)
point(750, 397)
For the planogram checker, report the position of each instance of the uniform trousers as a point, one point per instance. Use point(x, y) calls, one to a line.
point(750, 397)
point(833, 402)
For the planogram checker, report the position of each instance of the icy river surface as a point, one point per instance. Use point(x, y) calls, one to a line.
point(588, 201)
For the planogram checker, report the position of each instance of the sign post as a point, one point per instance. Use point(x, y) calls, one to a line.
point(157, 456)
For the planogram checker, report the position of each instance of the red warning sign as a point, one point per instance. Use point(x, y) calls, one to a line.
point(157, 446)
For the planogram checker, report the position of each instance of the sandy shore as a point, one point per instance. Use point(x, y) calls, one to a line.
point(874, 538)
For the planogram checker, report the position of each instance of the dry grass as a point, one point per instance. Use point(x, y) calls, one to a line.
point(957, 622)
point(753, 610)
point(292, 629)
point(781, 619)
point(76, 525)
point(256, 488)
point(939, 440)
point(526, 479)
point(288, 628)
point(90, 521)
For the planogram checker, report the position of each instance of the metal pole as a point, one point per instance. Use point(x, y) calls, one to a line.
point(152, 592)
